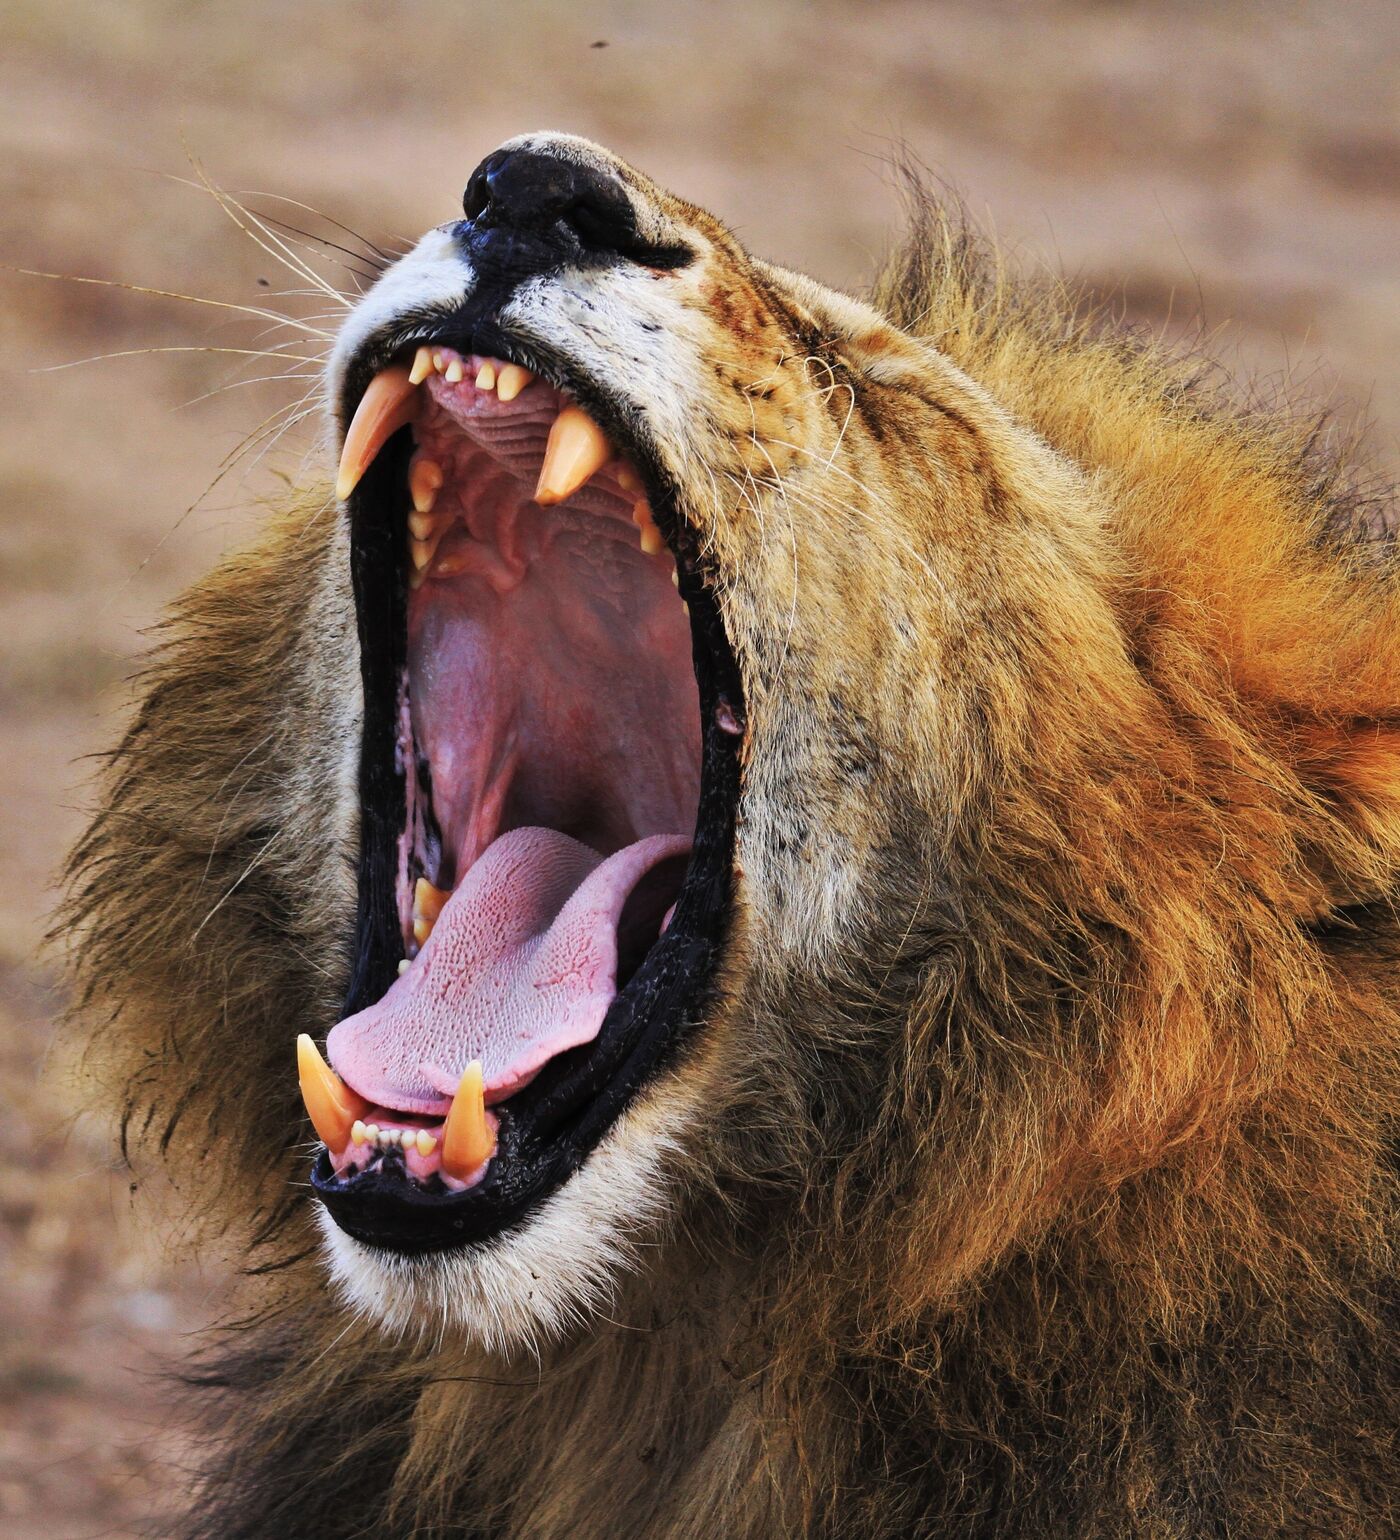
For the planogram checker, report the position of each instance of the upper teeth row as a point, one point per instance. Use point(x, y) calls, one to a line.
point(576, 451)
point(507, 380)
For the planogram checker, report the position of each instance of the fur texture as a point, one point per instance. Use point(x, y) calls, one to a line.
point(1031, 1173)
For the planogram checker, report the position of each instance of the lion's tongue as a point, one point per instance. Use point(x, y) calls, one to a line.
point(521, 965)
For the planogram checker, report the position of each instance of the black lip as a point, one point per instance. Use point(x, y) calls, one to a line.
point(548, 1129)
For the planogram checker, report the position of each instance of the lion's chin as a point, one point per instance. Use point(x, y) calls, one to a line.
point(548, 1276)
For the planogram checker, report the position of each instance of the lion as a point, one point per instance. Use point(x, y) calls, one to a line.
point(778, 918)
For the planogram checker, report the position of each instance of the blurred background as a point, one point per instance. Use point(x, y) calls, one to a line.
point(1221, 170)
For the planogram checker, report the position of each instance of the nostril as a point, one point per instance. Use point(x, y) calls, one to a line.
point(529, 191)
point(555, 205)
point(476, 197)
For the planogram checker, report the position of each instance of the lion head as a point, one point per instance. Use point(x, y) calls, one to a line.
point(864, 830)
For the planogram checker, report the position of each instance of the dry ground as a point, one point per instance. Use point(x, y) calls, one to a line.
point(1222, 166)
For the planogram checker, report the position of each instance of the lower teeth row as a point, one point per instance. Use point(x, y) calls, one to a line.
point(394, 1138)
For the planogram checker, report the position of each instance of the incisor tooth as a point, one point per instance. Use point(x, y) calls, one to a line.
point(466, 1136)
point(404, 965)
point(330, 1104)
point(425, 1142)
point(357, 1132)
point(453, 372)
point(422, 366)
point(389, 403)
point(577, 449)
point(425, 478)
point(486, 376)
point(511, 381)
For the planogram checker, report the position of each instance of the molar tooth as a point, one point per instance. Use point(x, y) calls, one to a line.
point(577, 449)
point(330, 1104)
point(425, 1143)
point(390, 401)
point(453, 373)
point(422, 366)
point(628, 479)
point(421, 553)
point(486, 376)
point(652, 543)
point(511, 381)
point(421, 525)
point(425, 478)
point(467, 1139)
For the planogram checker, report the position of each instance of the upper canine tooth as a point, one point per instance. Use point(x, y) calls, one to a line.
point(467, 1139)
point(422, 366)
point(577, 449)
point(511, 381)
point(331, 1105)
point(425, 478)
point(389, 403)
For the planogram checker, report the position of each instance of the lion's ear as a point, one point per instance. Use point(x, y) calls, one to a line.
point(1304, 621)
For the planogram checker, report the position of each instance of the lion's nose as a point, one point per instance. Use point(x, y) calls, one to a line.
point(521, 197)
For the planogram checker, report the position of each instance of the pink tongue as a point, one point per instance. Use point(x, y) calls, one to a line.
point(521, 965)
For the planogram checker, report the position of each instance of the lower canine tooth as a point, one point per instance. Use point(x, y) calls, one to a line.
point(330, 1104)
point(428, 900)
point(577, 449)
point(467, 1139)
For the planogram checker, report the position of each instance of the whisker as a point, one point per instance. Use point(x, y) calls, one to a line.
point(189, 299)
point(97, 358)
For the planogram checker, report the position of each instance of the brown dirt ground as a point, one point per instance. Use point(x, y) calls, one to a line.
point(1228, 168)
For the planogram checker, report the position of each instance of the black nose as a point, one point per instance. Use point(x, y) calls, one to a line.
point(524, 205)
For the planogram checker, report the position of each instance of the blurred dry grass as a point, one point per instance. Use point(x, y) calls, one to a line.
point(1229, 167)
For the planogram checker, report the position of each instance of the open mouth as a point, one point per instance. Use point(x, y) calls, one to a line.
point(549, 778)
